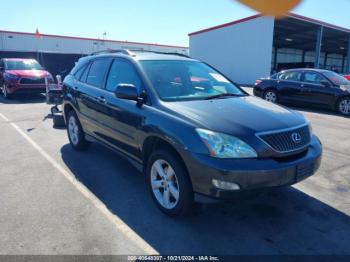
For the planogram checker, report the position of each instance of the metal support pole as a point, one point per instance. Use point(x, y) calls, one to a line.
point(347, 63)
point(343, 69)
point(318, 46)
point(275, 59)
point(325, 61)
point(303, 57)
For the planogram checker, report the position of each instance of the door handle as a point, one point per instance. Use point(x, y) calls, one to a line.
point(101, 100)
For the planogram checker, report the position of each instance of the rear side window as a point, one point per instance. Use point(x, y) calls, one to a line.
point(122, 72)
point(291, 76)
point(97, 72)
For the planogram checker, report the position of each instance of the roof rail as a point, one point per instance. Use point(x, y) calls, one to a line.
point(111, 51)
point(158, 52)
point(131, 52)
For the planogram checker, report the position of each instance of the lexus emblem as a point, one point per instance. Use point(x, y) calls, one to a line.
point(296, 137)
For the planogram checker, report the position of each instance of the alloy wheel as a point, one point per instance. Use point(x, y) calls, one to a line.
point(271, 96)
point(4, 91)
point(73, 130)
point(165, 184)
point(344, 106)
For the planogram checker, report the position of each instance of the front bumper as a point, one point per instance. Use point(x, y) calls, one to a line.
point(25, 89)
point(251, 174)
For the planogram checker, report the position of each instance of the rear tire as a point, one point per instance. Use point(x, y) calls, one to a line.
point(271, 96)
point(75, 132)
point(343, 106)
point(169, 184)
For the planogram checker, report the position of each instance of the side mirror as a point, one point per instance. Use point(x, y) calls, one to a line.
point(325, 83)
point(127, 91)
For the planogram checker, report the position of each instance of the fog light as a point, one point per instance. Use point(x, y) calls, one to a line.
point(225, 185)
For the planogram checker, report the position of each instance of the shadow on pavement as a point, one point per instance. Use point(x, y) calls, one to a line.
point(285, 221)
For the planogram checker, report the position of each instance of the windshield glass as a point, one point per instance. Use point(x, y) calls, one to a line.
point(22, 65)
point(187, 80)
point(337, 79)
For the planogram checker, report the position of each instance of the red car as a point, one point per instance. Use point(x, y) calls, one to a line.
point(18, 75)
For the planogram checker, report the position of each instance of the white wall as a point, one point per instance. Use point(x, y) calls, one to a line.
point(241, 51)
point(29, 43)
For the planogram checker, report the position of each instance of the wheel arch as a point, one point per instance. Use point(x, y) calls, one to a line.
point(153, 143)
point(66, 109)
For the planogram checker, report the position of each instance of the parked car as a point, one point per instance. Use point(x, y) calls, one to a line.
point(19, 75)
point(312, 87)
point(191, 130)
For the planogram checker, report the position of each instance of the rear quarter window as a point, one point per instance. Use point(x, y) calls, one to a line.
point(78, 74)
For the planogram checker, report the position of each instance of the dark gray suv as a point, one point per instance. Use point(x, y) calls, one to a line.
point(186, 126)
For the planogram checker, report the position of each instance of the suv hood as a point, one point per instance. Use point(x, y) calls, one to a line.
point(236, 116)
point(29, 73)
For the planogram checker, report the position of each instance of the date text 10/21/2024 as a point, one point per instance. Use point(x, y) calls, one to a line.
point(173, 258)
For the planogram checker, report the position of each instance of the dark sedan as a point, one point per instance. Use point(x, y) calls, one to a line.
point(314, 87)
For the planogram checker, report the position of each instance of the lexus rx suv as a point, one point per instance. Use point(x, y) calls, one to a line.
point(19, 75)
point(186, 126)
point(312, 87)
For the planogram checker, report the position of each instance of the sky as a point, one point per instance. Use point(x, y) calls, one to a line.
point(151, 21)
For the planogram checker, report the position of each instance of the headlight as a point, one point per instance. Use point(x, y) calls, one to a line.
point(345, 88)
point(225, 146)
point(11, 76)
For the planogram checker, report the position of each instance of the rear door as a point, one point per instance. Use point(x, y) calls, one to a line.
point(289, 86)
point(315, 91)
point(90, 98)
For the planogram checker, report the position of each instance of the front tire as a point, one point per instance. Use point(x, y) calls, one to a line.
point(271, 96)
point(169, 184)
point(5, 92)
point(343, 106)
point(75, 132)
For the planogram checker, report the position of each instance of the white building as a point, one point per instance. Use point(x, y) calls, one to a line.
point(254, 47)
point(58, 53)
point(30, 42)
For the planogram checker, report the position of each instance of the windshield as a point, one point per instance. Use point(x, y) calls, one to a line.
point(337, 79)
point(187, 80)
point(22, 65)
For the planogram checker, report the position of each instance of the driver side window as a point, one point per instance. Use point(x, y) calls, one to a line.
point(313, 78)
point(122, 72)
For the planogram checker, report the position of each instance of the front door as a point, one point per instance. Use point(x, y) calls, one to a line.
point(315, 91)
point(123, 117)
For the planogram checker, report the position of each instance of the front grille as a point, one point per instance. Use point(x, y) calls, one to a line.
point(283, 142)
point(32, 81)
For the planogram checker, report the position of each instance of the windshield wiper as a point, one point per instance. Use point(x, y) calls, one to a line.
point(223, 96)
